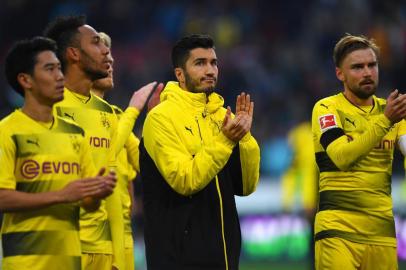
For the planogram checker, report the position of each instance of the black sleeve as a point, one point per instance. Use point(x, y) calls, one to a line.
point(330, 135)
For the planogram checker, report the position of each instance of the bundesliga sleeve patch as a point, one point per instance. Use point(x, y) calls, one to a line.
point(327, 122)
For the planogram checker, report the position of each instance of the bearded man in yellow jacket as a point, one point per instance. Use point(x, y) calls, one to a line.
point(195, 156)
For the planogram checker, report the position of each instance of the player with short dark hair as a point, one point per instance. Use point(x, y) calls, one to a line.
point(194, 158)
point(85, 58)
point(46, 167)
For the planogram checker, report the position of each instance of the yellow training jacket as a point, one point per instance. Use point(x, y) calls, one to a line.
point(190, 173)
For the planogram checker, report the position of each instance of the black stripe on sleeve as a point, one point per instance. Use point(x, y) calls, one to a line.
point(325, 163)
point(330, 135)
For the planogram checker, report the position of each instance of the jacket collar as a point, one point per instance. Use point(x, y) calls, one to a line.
point(195, 101)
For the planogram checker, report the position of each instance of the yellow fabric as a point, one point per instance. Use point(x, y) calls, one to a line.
point(101, 231)
point(133, 153)
point(360, 187)
point(190, 149)
point(37, 159)
point(94, 261)
point(126, 172)
point(125, 126)
point(339, 254)
point(300, 179)
point(129, 258)
point(44, 262)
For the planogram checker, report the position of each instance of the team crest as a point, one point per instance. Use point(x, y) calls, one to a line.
point(104, 120)
point(75, 143)
point(327, 122)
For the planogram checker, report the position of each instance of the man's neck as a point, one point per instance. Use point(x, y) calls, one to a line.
point(358, 101)
point(98, 92)
point(78, 82)
point(37, 111)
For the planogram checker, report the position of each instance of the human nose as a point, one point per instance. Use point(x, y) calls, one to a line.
point(367, 71)
point(210, 69)
point(59, 75)
point(105, 49)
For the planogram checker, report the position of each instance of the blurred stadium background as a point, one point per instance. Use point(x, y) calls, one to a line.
point(278, 51)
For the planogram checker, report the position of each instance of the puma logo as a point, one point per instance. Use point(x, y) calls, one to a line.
point(69, 116)
point(352, 122)
point(33, 142)
point(324, 105)
point(189, 129)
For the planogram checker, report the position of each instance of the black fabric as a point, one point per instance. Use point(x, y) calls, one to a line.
point(184, 232)
point(325, 163)
point(330, 135)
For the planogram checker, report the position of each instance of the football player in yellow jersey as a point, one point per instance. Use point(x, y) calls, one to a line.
point(127, 159)
point(42, 159)
point(354, 136)
point(85, 58)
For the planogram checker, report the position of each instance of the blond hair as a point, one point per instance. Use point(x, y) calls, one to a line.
point(350, 43)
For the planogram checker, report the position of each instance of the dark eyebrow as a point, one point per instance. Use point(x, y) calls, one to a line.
point(357, 65)
point(199, 59)
point(48, 65)
point(204, 59)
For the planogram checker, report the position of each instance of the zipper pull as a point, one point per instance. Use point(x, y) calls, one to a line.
point(204, 113)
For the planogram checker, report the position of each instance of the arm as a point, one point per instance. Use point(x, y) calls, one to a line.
point(15, 201)
point(186, 174)
point(238, 129)
point(125, 127)
point(129, 116)
point(249, 156)
point(343, 152)
point(12, 200)
point(133, 153)
point(131, 192)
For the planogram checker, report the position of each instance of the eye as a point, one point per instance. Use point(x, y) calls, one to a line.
point(371, 65)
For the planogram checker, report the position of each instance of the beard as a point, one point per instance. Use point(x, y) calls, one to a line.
point(104, 84)
point(194, 85)
point(90, 67)
point(365, 89)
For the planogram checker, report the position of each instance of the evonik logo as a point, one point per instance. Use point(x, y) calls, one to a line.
point(31, 168)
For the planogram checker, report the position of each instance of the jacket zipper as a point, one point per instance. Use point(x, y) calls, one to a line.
point(221, 205)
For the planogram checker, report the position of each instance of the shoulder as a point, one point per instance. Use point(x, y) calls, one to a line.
point(10, 122)
point(328, 102)
point(166, 109)
point(101, 105)
point(116, 109)
point(380, 103)
point(68, 126)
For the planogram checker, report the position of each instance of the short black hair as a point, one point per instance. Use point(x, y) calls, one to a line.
point(22, 58)
point(182, 48)
point(64, 31)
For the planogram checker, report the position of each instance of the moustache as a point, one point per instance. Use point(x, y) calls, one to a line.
point(367, 81)
point(208, 78)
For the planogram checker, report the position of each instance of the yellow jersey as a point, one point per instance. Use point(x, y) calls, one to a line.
point(35, 158)
point(354, 152)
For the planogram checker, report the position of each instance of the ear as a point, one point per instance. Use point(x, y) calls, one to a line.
point(180, 75)
point(339, 74)
point(25, 80)
point(73, 53)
